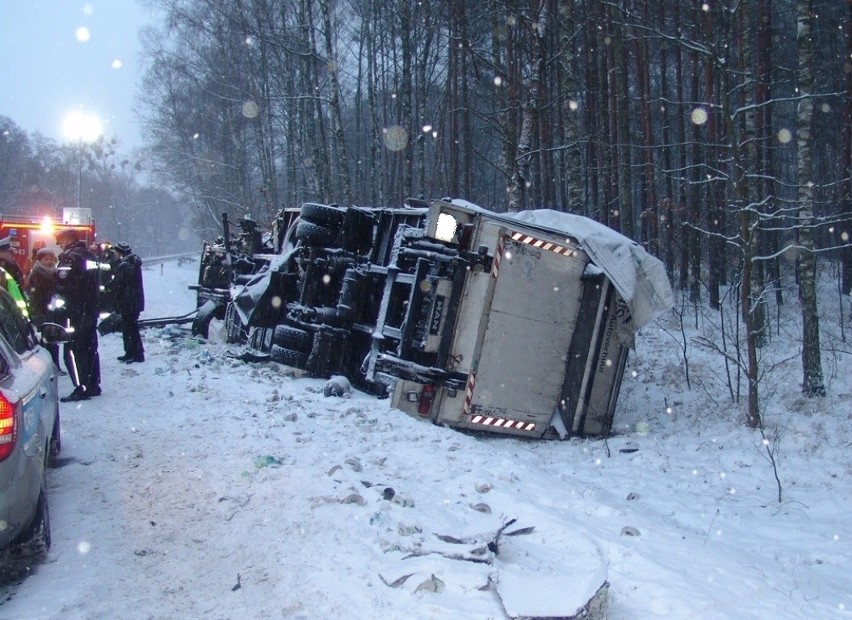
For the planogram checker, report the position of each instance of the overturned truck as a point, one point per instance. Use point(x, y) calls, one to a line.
point(508, 323)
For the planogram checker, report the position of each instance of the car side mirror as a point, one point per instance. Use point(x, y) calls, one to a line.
point(53, 333)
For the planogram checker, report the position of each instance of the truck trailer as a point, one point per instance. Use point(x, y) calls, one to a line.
point(517, 324)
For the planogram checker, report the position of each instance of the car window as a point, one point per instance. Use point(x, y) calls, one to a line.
point(13, 325)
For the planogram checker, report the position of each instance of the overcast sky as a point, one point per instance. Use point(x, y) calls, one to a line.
point(50, 69)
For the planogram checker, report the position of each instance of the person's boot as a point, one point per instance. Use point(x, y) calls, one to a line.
point(124, 358)
point(135, 359)
point(79, 393)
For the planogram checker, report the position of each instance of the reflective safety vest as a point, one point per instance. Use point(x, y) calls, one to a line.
point(11, 285)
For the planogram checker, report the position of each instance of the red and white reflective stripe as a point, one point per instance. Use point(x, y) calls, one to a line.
point(498, 257)
point(518, 425)
point(468, 393)
point(544, 245)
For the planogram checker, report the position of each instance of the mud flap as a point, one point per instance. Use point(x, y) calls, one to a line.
point(206, 313)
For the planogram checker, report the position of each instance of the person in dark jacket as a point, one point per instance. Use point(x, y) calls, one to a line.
point(129, 299)
point(41, 286)
point(77, 287)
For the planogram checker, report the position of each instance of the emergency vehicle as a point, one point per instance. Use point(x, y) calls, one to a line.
point(515, 324)
point(27, 233)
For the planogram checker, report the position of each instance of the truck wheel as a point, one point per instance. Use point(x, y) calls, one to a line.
point(327, 354)
point(206, 313)
point(292, 338)
point(314, 234)
point(236, 333)
point(323, 215)
point(288, 357)
point(255, 338)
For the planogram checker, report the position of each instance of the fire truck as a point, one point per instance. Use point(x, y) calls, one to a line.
point(27, 233)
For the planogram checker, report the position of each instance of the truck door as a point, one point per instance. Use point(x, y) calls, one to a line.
point(520, 366)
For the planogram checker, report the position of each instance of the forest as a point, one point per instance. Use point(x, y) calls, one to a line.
point(716, 134)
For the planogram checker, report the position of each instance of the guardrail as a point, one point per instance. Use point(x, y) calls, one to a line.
point(150, 260)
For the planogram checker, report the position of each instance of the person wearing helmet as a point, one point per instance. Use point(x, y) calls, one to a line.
point(8, 262)
point(129, 300)
point(77, 286)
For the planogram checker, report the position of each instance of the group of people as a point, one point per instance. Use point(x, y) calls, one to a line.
point(67, 289)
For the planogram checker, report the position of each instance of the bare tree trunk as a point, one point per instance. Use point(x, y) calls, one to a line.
point(846, 233)
point(546, 112)
point(619, 127)
point(713, 213)
point(667, 215)
point(572, 155)
point(693, 193)
point(454, 78)
point(511, 124)
point(683, 233)
point(747, 243)
point(335, 111)
point(812, 381)
point(405, 94)
point(643, 67)
point(376, 161)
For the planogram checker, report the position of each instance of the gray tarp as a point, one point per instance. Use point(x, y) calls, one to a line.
point(247, 298)
point(639, 277)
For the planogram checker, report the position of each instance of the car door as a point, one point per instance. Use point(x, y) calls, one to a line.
point(29, 384)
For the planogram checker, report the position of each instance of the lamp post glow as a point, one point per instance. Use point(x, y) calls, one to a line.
point(81, 127)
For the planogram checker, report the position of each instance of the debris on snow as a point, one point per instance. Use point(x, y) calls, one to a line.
point(354, 498)
point(337, 386)
point(267, 461)
point(354, 463)
point(433, 584)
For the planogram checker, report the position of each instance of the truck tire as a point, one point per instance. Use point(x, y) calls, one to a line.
point(315, 234)
point(257, 339)
point(327, 354)
point(288, 357)
point(292, 338)
point(236, 333)
point(206, 313)
point(323, 215)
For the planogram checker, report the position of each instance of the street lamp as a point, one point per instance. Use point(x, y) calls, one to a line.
point(82, 128)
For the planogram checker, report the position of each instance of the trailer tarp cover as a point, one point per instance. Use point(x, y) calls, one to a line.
point(639, 277)
point(248, 298)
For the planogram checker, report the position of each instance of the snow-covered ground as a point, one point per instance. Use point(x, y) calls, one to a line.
point(199, 486)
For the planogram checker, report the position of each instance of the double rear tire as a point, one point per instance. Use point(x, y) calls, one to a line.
point(320, 225)
point(288, 357)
